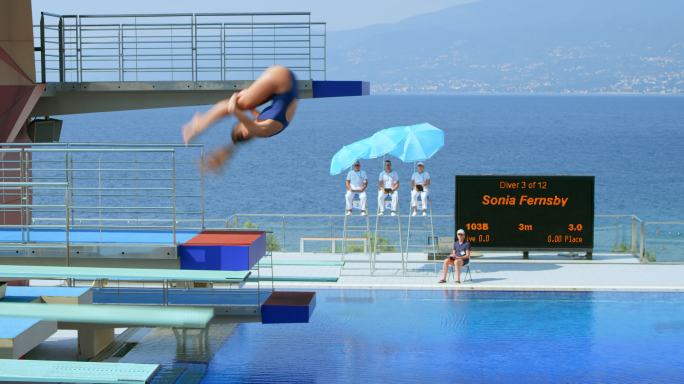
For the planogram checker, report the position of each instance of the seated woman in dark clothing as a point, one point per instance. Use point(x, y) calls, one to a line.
point(460, 256)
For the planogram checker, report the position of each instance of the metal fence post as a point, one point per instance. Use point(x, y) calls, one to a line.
point(121, 54)
point(173, 193)
point(42, 49)
point(223, 51)
point(309, 25)
point(66, 225)
point(79, 61)
point(283, 229)
point(60, 33)
point(642, 249)
point(22, 174)
point(202, 187)
point(325, 51)
point(194, 47)
point(252, 46)
point(633, 238)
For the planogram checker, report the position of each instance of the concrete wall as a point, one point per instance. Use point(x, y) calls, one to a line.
point(16, 38)
point(18, 92)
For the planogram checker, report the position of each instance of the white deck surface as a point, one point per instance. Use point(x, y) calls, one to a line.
point(499, 271)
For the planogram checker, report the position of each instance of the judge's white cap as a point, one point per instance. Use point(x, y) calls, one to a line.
point(420, 163)
point(460, 231)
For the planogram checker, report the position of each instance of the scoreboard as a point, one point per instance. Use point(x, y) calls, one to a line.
point(526, 212)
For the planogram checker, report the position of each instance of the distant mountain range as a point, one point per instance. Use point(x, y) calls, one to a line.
point(521, 46)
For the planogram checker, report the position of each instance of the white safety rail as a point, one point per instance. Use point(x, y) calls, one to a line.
point(356, 228)
point(663, 242)
point(420, 232)
point(109, 188)
point(177, 47)
point(16, 209)
point(613, 234)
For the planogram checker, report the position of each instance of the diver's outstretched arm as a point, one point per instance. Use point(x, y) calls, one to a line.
point(201, 122)
point(255, 128)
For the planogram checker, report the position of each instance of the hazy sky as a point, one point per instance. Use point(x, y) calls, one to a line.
point(339, 14)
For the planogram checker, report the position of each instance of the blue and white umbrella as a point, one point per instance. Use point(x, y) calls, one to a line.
point(345, 157)
point(420, 142)
point(408, 143)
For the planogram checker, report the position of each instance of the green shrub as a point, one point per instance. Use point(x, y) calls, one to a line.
point(650, 256)
point(383, 245)
point(622, 247)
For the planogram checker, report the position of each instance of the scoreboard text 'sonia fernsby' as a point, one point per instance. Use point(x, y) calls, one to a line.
point(526, 212)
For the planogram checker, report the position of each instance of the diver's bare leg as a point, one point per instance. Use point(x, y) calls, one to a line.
point(275, 79)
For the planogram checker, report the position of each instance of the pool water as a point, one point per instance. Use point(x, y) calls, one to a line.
point(411, 336)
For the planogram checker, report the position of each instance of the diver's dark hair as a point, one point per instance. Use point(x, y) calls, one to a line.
point(237, 136)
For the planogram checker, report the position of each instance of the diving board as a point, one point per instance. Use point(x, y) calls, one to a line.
point(53, 295)
point(18, 335)
point(302, 263)
point(126, 274)
point(9, 235)
point(88, 97)
point(96, 323)
point(135, 248)
point(76, 372)
point(301, 279)
point(112, 315)
point(340, 88)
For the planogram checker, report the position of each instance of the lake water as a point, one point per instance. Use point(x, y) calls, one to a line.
point(633, 145)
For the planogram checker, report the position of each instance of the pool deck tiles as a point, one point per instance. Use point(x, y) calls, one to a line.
point(505, 271)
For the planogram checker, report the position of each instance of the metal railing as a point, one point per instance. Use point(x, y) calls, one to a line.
point(110, 186)
point(17, 206)
point(159, 187)
point(177, 47)
point(621, 234)
point(663, 241)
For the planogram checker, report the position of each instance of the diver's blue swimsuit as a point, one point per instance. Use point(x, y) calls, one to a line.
point(279, 103)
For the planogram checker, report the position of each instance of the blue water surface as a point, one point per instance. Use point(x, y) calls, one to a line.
point(422, 336)
point(634, 145)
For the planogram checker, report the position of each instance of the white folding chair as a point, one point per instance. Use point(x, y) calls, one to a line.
point(465, 270)
point(356, 201)
point(422, 206)
point(387, 201)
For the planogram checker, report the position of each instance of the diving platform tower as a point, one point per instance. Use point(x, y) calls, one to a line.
point(69, 64)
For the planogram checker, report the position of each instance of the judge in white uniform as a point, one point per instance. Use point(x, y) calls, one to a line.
point(388, 184)
point(356, 183)
point(420, 183)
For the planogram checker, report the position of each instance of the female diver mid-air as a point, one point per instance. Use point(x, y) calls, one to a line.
point(277, 84)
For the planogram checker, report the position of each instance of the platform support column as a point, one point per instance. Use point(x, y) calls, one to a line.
point(93, 340)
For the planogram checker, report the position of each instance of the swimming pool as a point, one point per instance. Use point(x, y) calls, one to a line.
point(371, 336)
